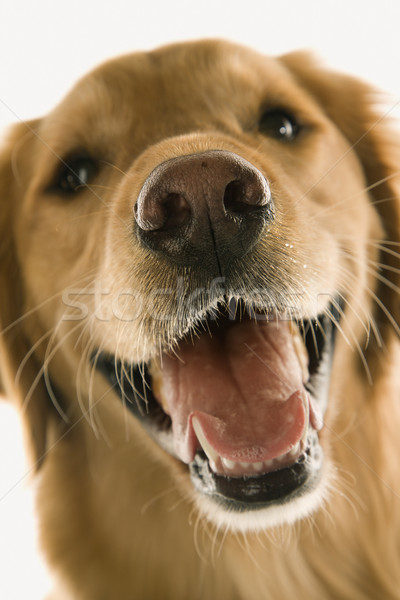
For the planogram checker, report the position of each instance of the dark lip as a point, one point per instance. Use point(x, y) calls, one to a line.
point(133, 385)
point(260, 491)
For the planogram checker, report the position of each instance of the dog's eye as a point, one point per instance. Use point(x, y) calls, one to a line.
point(75, 174)
point(279, 125)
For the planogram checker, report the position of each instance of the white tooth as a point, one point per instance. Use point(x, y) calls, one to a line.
point(316, 415)
point(208, 449)
point(268, 463)
point(307, 410)
point(246, 465)
point(213, 466)
point(300, 350)
point(294, 450)
point(281, 457)
point(258, 466)
point(229, 464)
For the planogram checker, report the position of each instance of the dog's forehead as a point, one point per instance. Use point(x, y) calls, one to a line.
point(210, 63)
point(197, 73)
point(174, 89)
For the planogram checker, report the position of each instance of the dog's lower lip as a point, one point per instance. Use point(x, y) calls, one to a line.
point(140, 399)
point(252, 493)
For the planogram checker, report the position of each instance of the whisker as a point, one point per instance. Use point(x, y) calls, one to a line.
point(379, 119)
point(385, 310)
point(43, 371)
point(379, 243)
point(88, 364)
point(49, 448)
point(42, 304)
point(358, 310)
point(383, 279)
point(31, 351)
point(76, 218)
point(383, 266)
point(113, 166)
point(356, 345)
point(342, 206)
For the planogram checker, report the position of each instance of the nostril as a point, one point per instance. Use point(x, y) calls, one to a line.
point(243, 196)
point(234, 201)
point(177, 211)
point(157, 211)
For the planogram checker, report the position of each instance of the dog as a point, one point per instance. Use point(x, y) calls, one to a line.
point(199, 304)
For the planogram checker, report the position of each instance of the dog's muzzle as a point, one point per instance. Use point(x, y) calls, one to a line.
point(236, 389)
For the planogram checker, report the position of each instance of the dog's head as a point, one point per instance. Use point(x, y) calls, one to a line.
point(194, 240)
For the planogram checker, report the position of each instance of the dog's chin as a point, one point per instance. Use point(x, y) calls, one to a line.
point(248, 472)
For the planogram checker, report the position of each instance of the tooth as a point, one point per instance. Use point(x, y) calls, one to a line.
point(281, 457)
point(213, 466)
point(208, 449)
point(316, 416)
point(300, 350)
point(258, 466)
point(307, 411)
point(246, 465)
point(229, 464)
point(294, 450)
point(268, 463)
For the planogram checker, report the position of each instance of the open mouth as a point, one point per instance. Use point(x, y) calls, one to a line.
point(241, 403)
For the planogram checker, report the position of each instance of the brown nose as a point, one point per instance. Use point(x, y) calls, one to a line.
point(203, 208)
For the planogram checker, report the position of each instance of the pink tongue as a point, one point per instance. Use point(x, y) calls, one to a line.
point(245, 388)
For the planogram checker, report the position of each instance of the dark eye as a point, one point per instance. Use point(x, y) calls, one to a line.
point(279, 125)
point(76, 173)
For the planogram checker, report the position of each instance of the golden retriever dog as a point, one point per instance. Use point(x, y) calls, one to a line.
point(199, 312)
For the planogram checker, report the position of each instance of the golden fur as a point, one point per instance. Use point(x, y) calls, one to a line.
point(118, 515)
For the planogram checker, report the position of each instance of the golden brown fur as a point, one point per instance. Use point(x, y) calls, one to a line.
point(117, 514)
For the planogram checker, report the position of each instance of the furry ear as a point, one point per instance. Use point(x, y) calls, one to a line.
point(15, 160)
point(352, 106)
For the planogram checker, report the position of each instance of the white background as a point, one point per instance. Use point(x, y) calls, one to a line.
point(46, 45)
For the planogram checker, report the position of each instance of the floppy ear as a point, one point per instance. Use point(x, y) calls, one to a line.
point(352, 106)
point(15, 159)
